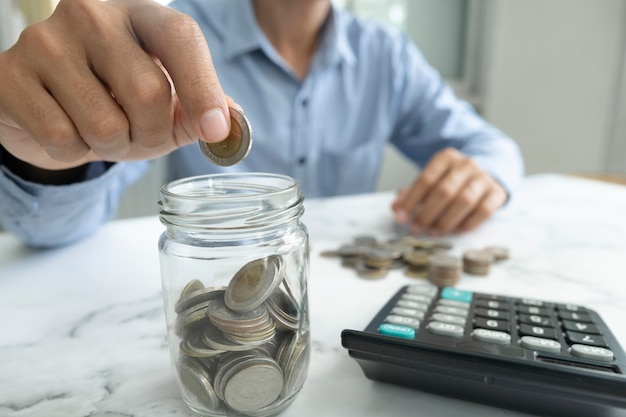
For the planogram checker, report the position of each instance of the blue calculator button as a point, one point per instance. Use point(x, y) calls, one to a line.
point(450, 293)
point(396, 330)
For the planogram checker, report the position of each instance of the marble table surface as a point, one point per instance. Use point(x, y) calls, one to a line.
point(82, 328)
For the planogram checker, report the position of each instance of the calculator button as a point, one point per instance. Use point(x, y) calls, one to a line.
point(585, 339)
point(490, 313)
point(573, 308)
point(538, 311)
point(450, 293)
point(405, 321)
point(412, 304)
point(531, 302)
point(453, 303)
point(535, 320)
point(528, 330)
point(396, 330)
point(445, 329)
point(492, 304)
point(449, 318)
point(538, 343)
point(416, 297)
point(577, 326)
point(452, 310)
point(491, 324)
point(424, 289)
point(408, 312)
point(569, 315)
point(491, 336)
point(592, 352)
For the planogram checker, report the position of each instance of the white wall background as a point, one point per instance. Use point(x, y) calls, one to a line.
point(554, 80)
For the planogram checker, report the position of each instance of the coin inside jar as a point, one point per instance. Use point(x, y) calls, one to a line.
point(235, 147)
point(254, 283)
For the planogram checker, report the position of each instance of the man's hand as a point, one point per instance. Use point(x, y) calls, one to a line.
point(452, 194)
point(113, 80)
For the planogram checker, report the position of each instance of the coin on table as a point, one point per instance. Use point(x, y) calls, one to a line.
point(500, 253)
point(235, 147)
point(444, 270)
point(253, 283)
point(477, 262)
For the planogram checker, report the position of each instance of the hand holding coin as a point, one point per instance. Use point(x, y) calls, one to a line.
point(235, 147)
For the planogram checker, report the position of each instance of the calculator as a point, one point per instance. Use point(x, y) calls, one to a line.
point(535, 356)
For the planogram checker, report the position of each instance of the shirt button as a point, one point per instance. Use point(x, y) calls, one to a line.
point(302, 160)
point(305, 102)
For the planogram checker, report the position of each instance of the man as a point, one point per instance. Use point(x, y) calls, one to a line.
point(90, 94)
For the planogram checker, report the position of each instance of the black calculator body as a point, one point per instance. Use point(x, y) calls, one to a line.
point(535, 356)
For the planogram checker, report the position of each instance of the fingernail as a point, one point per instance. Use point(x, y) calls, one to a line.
point(214, 126)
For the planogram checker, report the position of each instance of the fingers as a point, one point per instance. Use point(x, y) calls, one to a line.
point(178, 42)
point(451, 195)
point(34, 127)
point(115, 80)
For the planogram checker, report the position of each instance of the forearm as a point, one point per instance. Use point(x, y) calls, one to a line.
point(56, 215)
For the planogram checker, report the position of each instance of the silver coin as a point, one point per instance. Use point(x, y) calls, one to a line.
point(196, 379)
point(214, 339)
point(255, 384)
point(194, 347)
point(191, 319)
point(190, 298)
point(500, 253)
point(253, 283)
point(294, 361)
point(225, 368)
point(223, 317)
point(235, 147)
point(192, 286)
point(283, 310)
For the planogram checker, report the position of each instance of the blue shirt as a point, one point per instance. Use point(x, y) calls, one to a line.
point(368, 85)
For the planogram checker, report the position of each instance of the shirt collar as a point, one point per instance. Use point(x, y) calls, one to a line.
point(243, 34)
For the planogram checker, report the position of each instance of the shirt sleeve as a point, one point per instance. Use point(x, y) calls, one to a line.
point(50, 215)
point(431, 118)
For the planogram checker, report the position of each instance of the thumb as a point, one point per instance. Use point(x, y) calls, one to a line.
point(177, 42)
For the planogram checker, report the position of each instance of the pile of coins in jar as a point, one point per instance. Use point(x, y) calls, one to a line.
point(418, 257)
point(242, 347)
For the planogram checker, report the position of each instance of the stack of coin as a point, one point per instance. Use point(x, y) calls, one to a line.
point(253, 328)
point(375, 262)
point(242, 347)
point(477, 262)
point(371, 258)
point(417, 263)
point(444, 270)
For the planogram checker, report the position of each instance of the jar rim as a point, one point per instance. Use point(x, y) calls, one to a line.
point(264, 183)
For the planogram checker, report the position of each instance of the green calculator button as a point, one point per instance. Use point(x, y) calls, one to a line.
point(450, 293)
point(396, 330)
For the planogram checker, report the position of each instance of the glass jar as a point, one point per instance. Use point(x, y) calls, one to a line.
point(234, 267)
